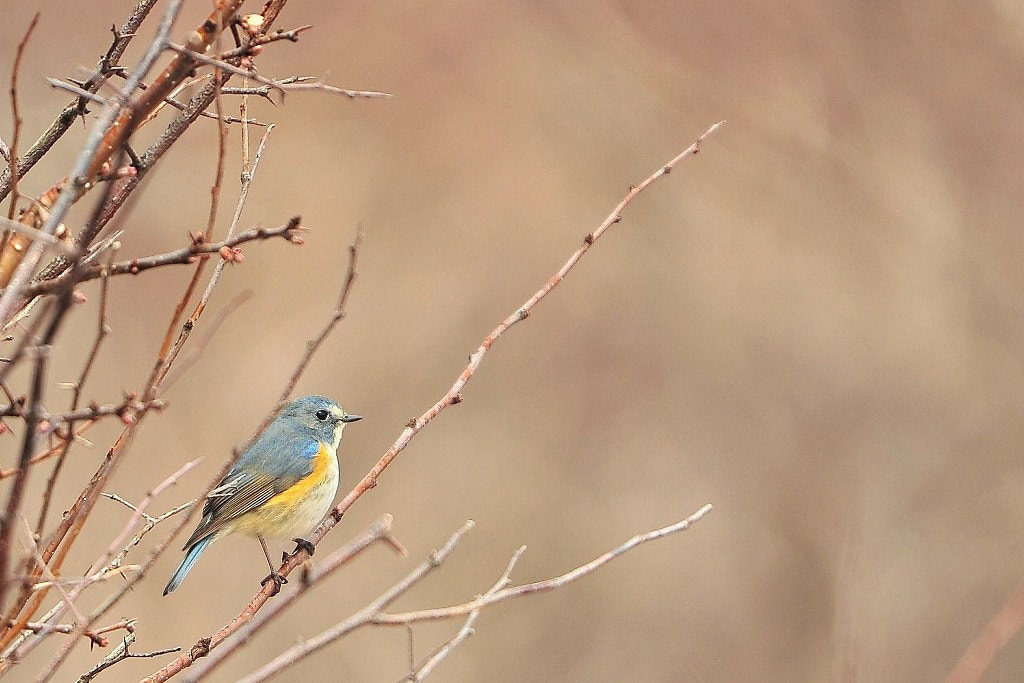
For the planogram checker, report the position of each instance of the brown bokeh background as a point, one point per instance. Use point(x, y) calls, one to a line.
point(815, 324)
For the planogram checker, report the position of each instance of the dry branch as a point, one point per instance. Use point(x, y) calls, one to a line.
point(415, 426)
point(106, 67)
point(373, 614)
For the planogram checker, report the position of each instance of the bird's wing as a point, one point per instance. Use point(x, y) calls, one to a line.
point(243, 491)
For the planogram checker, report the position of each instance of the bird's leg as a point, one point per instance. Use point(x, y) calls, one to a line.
point(303, 544)
point(274, 575)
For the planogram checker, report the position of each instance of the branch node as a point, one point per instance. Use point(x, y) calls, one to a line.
point(201, 648)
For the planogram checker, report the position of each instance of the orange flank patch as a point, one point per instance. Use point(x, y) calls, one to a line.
point(298, 493)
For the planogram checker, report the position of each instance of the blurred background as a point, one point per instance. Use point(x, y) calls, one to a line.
point(815, 324)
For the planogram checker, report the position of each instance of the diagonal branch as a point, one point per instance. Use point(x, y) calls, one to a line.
point(101, 144)
point(416, 425)
point(424, 669)
point(107, 66)
point(372, 614)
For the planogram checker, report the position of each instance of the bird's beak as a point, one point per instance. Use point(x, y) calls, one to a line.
point(351, 418)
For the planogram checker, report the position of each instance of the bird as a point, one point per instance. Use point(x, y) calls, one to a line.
point(282, 485)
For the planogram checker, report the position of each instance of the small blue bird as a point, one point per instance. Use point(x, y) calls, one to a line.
point(282, 486)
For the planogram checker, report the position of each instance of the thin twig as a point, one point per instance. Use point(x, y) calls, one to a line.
point(33, 234)
point(439, 613)
point(282, 86)
point(247, 50)
point(264, 90)
point(376, 532)
point(108, 562)
point(70, 113)
point(372, 614)
point(69, 602)
point(151, 522)
point(80, 175)
point(314, 344)
point(320, 86)
point(129, 406)
point(422, 671)
point(228, 256)
point(76, 90)
point(416, 425)
point(121, 653)
point(101, 333)
point(433, 562)
point(12, 157)
point(94, 637)
point(51, 451)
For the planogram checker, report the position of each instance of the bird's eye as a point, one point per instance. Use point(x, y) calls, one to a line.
point(322, 414)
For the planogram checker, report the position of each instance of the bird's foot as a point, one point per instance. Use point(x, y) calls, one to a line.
point(278, 582)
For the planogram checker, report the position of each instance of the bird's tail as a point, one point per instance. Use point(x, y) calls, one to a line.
point(186, 565)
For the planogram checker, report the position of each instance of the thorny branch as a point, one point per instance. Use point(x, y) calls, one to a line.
point(107, 66)
point(283, 86)
point(94, 411)
point(103, 142)
point(290, 231)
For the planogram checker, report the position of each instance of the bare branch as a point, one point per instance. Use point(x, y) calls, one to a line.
point(76, 90)
point(94, 637)
point(51, 451)
point(130, 406)
point(12, 156)
point(290, 231)
point(539, 586)
point(283, 86)
point(372, 614)
point(33, 234)
point(101, 333)
point(433, 561)
point(314, 344)
point(120, 653)
point(89, 159)
point(204, 647)
point(378, 531)
point(107, 64)
point(108, 563)
point(247, 50)
point(422, 671)
point(320, 86)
